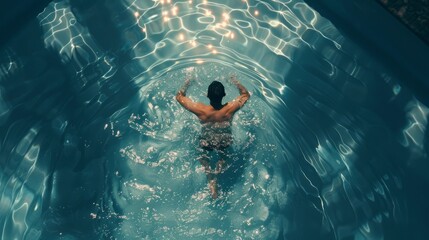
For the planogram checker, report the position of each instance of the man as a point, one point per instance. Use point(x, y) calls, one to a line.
point(216, 120)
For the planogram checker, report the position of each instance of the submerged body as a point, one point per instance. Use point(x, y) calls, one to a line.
point(216, 121)
point(216, 135)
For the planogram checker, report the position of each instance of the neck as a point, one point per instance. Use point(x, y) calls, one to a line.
point(216, 105)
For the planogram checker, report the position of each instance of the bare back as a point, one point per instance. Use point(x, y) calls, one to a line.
point(209, 114)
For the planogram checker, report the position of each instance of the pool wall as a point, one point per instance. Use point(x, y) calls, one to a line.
point(378, 31)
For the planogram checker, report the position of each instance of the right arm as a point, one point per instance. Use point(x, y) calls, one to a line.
point(238, 102)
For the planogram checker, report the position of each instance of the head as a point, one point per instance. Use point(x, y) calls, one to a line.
point(216, 91)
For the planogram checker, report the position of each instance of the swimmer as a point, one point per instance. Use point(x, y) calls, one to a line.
point(216, 123)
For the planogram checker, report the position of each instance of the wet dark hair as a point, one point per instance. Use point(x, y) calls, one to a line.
point(216, 91)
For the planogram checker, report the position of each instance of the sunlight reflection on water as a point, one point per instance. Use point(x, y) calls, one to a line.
point(103, 150)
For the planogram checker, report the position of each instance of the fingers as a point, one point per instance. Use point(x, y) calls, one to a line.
point(233, 78)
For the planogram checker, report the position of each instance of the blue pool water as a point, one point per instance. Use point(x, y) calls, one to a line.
point(331, 145)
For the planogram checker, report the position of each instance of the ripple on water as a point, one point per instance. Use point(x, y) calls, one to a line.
point(170, 163)
point(310, 159)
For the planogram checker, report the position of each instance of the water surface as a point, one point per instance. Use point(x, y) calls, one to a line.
point(330, 145)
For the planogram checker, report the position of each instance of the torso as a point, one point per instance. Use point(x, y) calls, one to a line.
point(213, 115)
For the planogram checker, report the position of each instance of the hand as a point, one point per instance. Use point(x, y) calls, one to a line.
point(233, 79)
point(189, 73)
point(185, 86)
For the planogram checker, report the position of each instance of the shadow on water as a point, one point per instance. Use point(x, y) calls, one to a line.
point(351, 157)
point(57, 118)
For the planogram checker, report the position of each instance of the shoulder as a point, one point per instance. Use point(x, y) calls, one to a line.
point(236, 104)
point(195, 107)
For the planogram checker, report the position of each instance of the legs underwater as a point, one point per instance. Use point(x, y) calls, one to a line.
point(212, 175)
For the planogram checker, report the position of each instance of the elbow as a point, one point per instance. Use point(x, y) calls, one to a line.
point(247, 94)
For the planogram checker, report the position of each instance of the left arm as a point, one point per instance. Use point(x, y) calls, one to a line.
point(186, 102)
